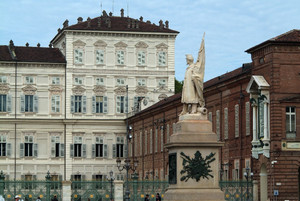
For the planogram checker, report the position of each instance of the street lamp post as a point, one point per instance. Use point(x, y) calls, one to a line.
point(111, 179)
point(127, 165)
point(247, 174)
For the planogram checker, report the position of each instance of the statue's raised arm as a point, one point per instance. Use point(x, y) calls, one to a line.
point(192, 91)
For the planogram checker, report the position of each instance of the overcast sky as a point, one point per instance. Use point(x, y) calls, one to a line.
point(231, 26)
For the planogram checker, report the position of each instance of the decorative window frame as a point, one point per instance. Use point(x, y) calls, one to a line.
point(100, 45)
point(162, 47)
point(4, 79)
point(141, 47)
point(79, 45)
point(120, 46)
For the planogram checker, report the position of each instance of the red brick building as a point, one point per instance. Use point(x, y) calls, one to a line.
point(254, 109)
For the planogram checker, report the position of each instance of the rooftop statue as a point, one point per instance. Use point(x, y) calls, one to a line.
point(192, 92)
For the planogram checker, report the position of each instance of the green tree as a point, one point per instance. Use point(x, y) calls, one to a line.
point(178, 86)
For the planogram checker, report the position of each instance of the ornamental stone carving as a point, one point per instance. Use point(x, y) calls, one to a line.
point(55, 90)
point(29, 90)
point(120, 44)
point(120, 90)
point(78, 90)
point(141, 45)
point(79, 43)
point(100, 43)
point(99, 90)
point(141, 90)
point(162, 46)
point(162, 96)
point(4, 88)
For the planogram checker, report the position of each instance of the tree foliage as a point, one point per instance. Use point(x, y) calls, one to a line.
point(178, 86)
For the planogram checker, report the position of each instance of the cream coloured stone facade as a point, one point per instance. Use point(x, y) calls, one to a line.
point(75, 128)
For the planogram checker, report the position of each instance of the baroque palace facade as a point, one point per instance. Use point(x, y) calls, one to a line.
point(253, 109)
point(62, 107)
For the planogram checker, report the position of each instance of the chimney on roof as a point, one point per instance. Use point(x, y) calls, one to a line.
point(58, 30)
point(104, 13)
point(110, 14)
point(167, 24)
point(27, 44)
point(38, 45)
point(141, 18)
point(50, 45)
point(88, 22)
point(148, 22)
point(79, 20)
point(11, 45)
point(66, 23)
point(161, 24)
point(122, 12)
point(99, 22)
point(137, 24)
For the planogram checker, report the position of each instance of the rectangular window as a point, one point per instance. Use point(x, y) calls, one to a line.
point(141, 58)
point(55, 184)
point(78, 56)
point(78, 81)
point(28, 145)
point(29, 80)
point(226, 123)
point(99, 81)
point(78, 104)
point(77, 181)
point(146, 143)
point(122, 104)
point(290, 122)
point(3, 103)
point(162, 82)
point(247, 105)
point(151, 142)
point(55, 103)
point(120, 147)
point(218, 124)
point(236, 120)
point(162, 58)
point(120, 81)
point(3, 79)
point(55, 80)
point(99, 179)
point(120, 57)
point(99, 57)
point(261, 118)
point(141, 82)
point(99, 147)
point(77, 146)
point(99, 104)
point(3, 146)
point(57, 149)
point(28, 183)
point(28, 103)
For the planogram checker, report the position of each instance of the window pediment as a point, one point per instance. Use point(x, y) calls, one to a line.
point(78, 90)
point(141, 45)
point(141, 90)
point(55, 90)
point(100, 43)
point(121, 44)
point(162, 46)
point(4, 88)
point(79, 43)
point(99, 90)
point(29, 90)
point(120, 90)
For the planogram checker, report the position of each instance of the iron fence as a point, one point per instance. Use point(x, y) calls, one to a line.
point(237, 190)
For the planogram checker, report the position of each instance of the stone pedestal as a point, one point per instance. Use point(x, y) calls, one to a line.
point(193, 133)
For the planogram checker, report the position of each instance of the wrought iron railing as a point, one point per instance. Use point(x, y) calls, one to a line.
point(139, 189)
point(92, 190)
point(237, 190)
